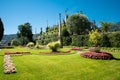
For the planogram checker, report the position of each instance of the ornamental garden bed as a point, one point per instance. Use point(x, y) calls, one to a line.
point(97, 55)
point(9, 53)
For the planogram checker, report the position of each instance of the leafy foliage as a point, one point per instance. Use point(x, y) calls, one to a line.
point(1, 29)
point(80, 40)
point(38, 46)
point(15, 42)
point(115, 27)
point(25, 30)
point(78, 24)
point(23, 40)
point(94, 37)
point(30, 45)
point(105, 27)
point(50, 36)
point(104, 41)
point(67, 41)
point(65, 33)
point(54, 46)
point(114, 39)
point(95, 49)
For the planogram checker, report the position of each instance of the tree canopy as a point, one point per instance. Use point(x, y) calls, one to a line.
point(78, 24)
point(1, 29)
point(25, 30)
point(105, 27)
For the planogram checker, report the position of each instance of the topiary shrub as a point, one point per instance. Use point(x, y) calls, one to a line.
point(30, 45)
point(95, 55)
point(38, 46)
point(54, 46)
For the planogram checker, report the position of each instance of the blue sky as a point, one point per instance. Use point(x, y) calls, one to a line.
point(37, 12)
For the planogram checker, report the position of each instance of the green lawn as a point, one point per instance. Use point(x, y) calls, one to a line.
point(60, 67)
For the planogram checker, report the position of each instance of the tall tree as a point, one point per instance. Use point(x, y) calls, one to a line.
point(41, 31)
point(105, 27)
point(25, 30)
point(1, 29)
point(78, 24)
point(60, 34)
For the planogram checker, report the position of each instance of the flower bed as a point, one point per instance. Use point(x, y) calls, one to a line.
point(7, 53)
point(8, 65)
point(97, 55)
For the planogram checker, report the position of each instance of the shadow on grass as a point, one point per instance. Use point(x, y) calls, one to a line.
point(116, 58)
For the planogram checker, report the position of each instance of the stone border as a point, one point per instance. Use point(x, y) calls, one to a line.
point(8, 65)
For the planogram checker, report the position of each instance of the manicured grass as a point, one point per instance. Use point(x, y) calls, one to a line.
point(61, 67)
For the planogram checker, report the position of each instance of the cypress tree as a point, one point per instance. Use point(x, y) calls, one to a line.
point(1, 29)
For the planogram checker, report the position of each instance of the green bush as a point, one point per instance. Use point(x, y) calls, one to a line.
point(104, 41)
point(30, 45)
point(80, 40)
point(74, 40)
point(114, 39)
point(95, 49)
point(38, 46)
point(94, 37)
point(67, 41)
point(65, 33)
point(54, 46)
point(45, 38)
point(23, 40)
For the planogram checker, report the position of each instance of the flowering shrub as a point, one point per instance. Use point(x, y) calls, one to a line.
point(54, 46)
point(100, 55)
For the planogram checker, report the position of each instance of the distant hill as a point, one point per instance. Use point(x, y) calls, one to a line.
point(8, 38)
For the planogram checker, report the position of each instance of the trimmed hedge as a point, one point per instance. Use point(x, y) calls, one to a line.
point(114, 39)
point(107, 40)
point(54, 46)
point(67, 41)
point(80, 40)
